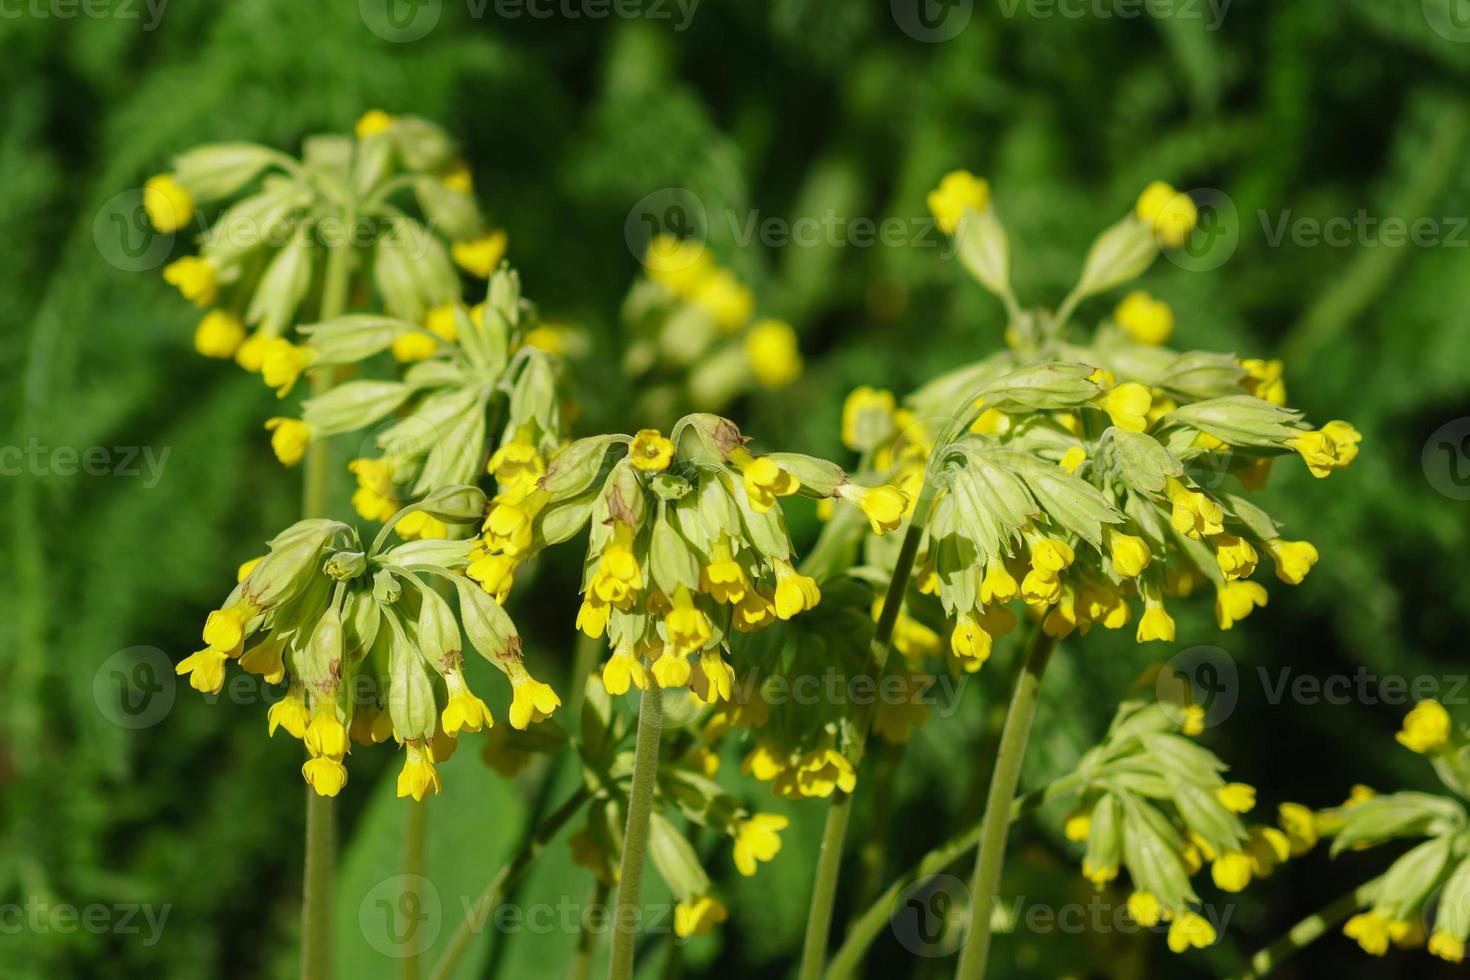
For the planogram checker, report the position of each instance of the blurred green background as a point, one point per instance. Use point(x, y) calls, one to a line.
point(1292, 110)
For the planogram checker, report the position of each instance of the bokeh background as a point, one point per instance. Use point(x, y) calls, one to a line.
point(1295, 111)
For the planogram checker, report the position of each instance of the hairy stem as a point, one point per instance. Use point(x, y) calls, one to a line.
point(1309, 930)
point(997, 821)
point(635, 837)
point(508, 874)
point(413, 869)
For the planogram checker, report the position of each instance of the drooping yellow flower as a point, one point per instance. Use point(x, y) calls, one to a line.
point(195, 278)
point(822, 771)
point(1264, 380)
point(289, 439)
point(509, 529)
point(464, 711)
point(1127, 405)
point(1155, 623)
point(531, 701)
point(753, 611)
point(251, 352)
point(884, 506)
point(724, 581)
point(1051, 554)
point(757, 839)
point(1099, 875)
point(376, 498)
point(1041, 587)
point(970, 643)
point(168, 203)
point(698, 916)
point(1294, 559)
point(1236, 601)
point(1237, 797)
point(219, 334)
point(1447, 947)
point(1172, 215)
point(266, 660)
point(998, 585)
point(418, 775)
point(687, 626)
point(325, 734)
point(764, 479)
point(1073, 459)
point(623, 670)
point(517, 466)
point(1146, 320)
point(771, 350)
point(412, 346)
point(863, 403)
point(1331, 447)
point(326, 775)
point(727, 300)
point(958, 191)
point(421, 526)
point(1144, 909)
point(1300, 826)
point(719, 677)
point(1427, 728)
point(681, 264)
point(1373, 931)
point(1077, 825)
point(479, 256)
point(206, 670)
point(1130, 553)
point(795, 593)
point(650, 451)
point(224, 630)
point(1194, 514)
point(1235, 555)
point(289, 713)
point(282, 362)
point(371, 123)
point(1190, 929)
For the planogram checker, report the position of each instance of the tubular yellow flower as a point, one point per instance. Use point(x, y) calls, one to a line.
point(219, 334)
point(265, 660)
point(719, 677)
point(289, 713)
point(509, 528)
point(1426, 729)
point(289, 439)
point(884, 506)
point(168, 203)
point(861, 403)
point(1077, 825)
point(1264, 380)
point(592, 616)
point(795, 593)
point(1155, 623)
point(495, 573)
point(412, 346)
point(1172, 215)
point(970, 643)
point(517, 466)
point(724, 581)
point(764, 479)
point(770, 347)
point(1144, 909)
point(1447, 947)
point(246, 567)
point(698, 916)
point(1194, 514)
point(418, 775)
point(326, 735)
point(371, 123)
point(1294, 559)
point(479, 256)
point(753, 611)
point(1098, 875)
point(1130, 554)
point(687, 626)
point(623, 670)
point(465, 711)
point(1041, 587)
point(531, 701)
point(762, 763)
point(1236, 556)
point(1051, 555)
point(1145, 319)
point(1190, 929)
point(822, 771)
point(1267, 848)
point(251, 352)
point(681, 264)
point(195, 278)
point(420, 525)
point(224, 630)
point(1127, 405)
point(650, 451)
point(281, 364)
point(958, 191)
point(727, 300)
point(1371, 930)
point(375, 498)
point(1331, 447)
point(1300, 825)
point(325, 775)
point(757, 839)
point(672, 668)
point(206, 670)
point(998, 585)
point(1073, 459)
point(1236, 601)
point(1237, 797)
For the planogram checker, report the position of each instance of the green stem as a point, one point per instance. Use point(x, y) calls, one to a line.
point(316, 900)
point(839, 812)
point(1308, 930)
point(997, 823)
point(509, 873)
point(635, 838)
point(413, 868)
point(868, 926)
point(587, 938)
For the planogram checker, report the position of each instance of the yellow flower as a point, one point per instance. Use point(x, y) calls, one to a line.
point(517, 466)
point(1190, 929)
point(762, 763)
point(1077, 825)
point(224, 630)
point(375, 498)
point(251, 352)
point(246, 567)
point(479, 256)
point(531, 701)
point(1172, 215)
point(1264, 380)
point(1099, 875)
point(1236, 556)
point(1194, 514)
point(265, 660)
point(681, 264)
point(1073, 459)
point(1237, 797)
point(764, 480)
point(282, 362)
point(413, 345)
point(724, 580)
point(219, 334)
point(592, 616)
point(754, 611)
point(623, 670)
point(795, 593)
point(1041, 587)
point(1300, 825)
point(822, 771)
point(420, 525)
point(770, 347)
point(998, 585)
point(1294, 559)
point(757, 839)
point(1194, 721)
point(1236, 601)
point(1267, 848)
point(418, 775)
point(206, 670)
point(168, 204)
point(1447, 947)
point(618, 577)
point(884, 506)
point(1051, 555)
point(1331, 447)
point(1147, 320)
point(289, 439)
point(458, 177)
point(728, 302)
point(1127, 405)
point(698, 916)
point(650, 451)
point(970, 643)
point(289, 713)
point(1130, 554)
point(1372, 931)
point(326, 776)
point(465, 711)
point(326, 735)
point(1155, 623)
point(195, 278)
point(371, 123)
point(861, 402)
point(509, 529)
point(719, 677)
point(1426, 728)
point(991, 422)
point(958, 191)
point(1144, 909)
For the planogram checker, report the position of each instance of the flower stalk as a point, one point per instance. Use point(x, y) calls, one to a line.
point(626, 910)
point(1309, 930)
